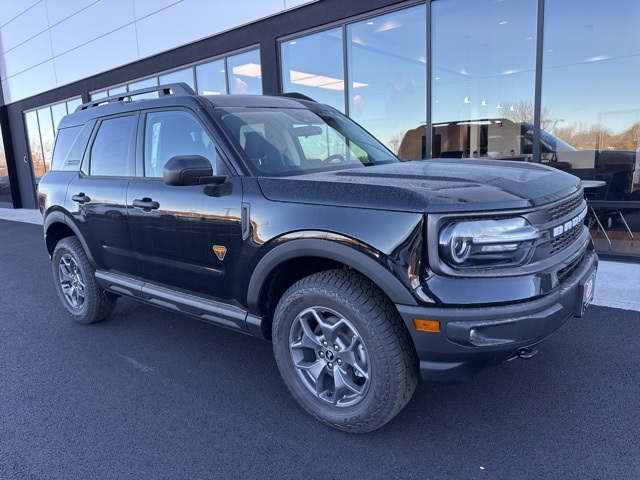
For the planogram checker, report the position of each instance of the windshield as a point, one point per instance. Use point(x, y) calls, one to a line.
point(288, 141)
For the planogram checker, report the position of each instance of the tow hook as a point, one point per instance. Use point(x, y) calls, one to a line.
point(526, 353)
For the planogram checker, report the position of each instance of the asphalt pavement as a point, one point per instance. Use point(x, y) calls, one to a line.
point(153, 394)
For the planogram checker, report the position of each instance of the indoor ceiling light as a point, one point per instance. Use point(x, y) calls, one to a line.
point(466, 99)
point(484, 103)
point(320, 81)
point(248, 70)
point(498, 106)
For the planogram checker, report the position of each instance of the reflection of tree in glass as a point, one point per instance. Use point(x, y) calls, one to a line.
point(584, 136)
point(395, 142)
point(522, 112)
point(36, 158)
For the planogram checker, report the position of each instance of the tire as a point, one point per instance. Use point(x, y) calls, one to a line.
point(74, 278)
point(343, 351)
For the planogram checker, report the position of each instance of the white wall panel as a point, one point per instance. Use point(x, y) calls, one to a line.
point(26, 55)
point(26, 26)
point(107, 52)
point(87, 37)
point(11, 9)
point(59, 10)
point(160, 31)
point(37, 79)
point(99, 19)
point(295, 3)
point(144, 8)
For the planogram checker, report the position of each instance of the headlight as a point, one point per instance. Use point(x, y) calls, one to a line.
point(487, 243)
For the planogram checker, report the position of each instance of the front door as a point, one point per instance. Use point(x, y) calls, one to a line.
point(186, 237)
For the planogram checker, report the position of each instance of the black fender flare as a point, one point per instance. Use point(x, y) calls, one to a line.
point(331, 250)
point(58, 216)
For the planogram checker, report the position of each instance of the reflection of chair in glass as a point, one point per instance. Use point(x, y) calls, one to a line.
point(451, 154)
point(597, 190)
point(263, 154)
point(564, 166)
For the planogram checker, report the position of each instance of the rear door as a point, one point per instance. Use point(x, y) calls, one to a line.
point(185, 237)
point(96, 197)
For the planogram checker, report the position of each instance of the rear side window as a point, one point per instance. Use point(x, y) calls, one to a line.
point(110, 153)
point(70, 146)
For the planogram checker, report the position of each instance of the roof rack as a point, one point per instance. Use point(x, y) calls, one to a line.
point(180, 88)
point(296, 95)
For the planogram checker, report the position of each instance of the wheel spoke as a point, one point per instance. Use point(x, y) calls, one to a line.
point(65, 274)
point(314, 369)
point(308, 339)
point(344, 385)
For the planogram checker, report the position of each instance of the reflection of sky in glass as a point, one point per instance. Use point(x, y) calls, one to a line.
point(185, 75)
point(73, 104)
point(211, 78)
point(387, 74)
point(245, 74)
point(592, 63)
point(57, 112)
point(314, 66)
point(483, 57)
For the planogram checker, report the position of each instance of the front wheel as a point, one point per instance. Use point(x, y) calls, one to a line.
point(343, 351)
point(74, 277)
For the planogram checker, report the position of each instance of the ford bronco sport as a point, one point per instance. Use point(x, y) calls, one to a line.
point(281, 218)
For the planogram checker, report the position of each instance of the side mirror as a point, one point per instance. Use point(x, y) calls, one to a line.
point(190, 170)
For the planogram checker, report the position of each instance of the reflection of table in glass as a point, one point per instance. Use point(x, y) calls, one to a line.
point(589, 184)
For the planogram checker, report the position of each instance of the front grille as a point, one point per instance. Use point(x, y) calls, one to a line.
point(566, 272)
point(566, 239)
point(563, 209)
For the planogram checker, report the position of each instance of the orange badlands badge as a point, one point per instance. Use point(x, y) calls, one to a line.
point(220, 251)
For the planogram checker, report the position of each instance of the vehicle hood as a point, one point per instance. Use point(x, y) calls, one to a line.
point(429, 186)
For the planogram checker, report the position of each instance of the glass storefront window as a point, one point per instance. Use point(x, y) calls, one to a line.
point(57, 113)
point(5, 188)
point(73, 104)
point(185, 75)
point(314, 66)
point(117, 90)
point(244, 73)
point(387, 88)
point(591, 64)
point(211, 78)
point(140, 84)
point(484, 57)
point(35, 144)
point(47, 135)
point(98, 95)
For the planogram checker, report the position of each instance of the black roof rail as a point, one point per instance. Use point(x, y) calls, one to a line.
point(180, 88)
point(296, 95)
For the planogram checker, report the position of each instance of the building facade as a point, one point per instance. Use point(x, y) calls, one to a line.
point(551, 81)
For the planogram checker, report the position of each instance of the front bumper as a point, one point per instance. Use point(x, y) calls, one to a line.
point(471, 339)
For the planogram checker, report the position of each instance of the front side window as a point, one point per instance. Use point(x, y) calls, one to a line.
point(284, 141)
point(174, 133)
point(110, 150)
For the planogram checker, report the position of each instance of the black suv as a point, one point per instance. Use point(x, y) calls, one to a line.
point(280, 217)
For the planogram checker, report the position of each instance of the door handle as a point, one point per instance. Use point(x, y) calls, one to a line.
point(146, 204)
point(81, 198)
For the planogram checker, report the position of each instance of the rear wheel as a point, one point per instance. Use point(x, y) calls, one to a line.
point(74, 277)
point(343, 351)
